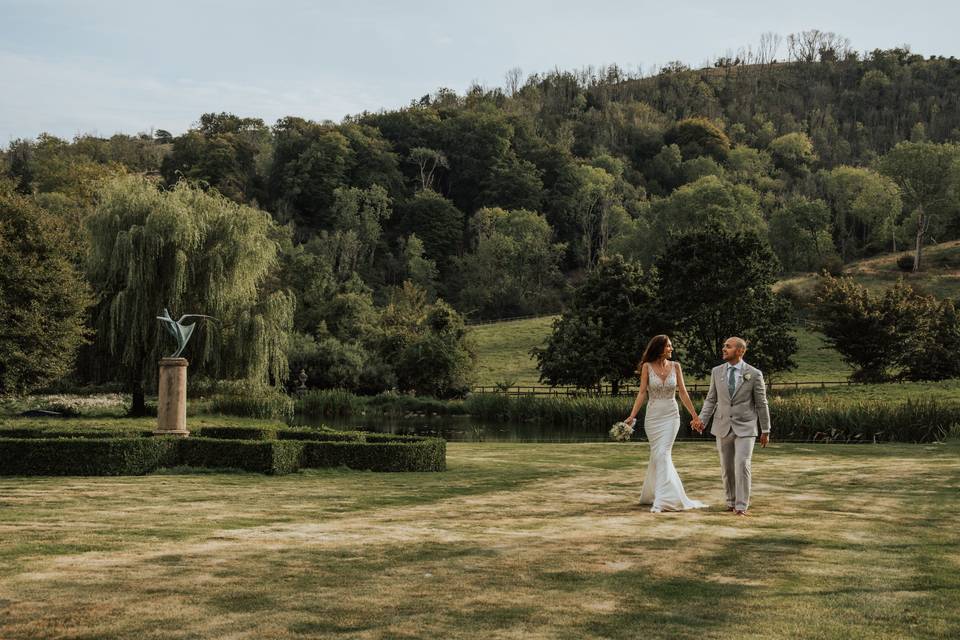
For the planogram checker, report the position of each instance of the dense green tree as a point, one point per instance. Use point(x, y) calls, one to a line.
point(800, 235)
point(866, 208)
point(43, 298)
point(437, 222)
point(699, 137)
point(920, 169)
point(190, 252)
point(600, 337)
point(513, 266)
point(793, 152)
point(716, 283)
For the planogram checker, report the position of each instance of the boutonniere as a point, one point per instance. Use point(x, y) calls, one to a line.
point(748, 377)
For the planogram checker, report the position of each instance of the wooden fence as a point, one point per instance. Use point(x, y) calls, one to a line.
point(605, 390)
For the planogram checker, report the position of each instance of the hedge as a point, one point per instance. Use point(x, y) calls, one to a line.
point(82, 453)
point(272, 457)
point(426, 455)
point(238, 433)
point(86, 456)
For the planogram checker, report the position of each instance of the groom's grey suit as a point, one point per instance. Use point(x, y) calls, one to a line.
point(735, 421)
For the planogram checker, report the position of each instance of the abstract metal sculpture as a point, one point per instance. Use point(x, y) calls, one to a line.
point(180, 332)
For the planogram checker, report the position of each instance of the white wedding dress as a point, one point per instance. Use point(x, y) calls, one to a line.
point(662, 487)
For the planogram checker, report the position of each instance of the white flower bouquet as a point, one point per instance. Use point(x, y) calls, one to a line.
point(621, 431)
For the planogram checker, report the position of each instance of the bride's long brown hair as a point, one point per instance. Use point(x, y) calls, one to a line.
point(653, 351)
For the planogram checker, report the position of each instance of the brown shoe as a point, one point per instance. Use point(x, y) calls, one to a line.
point(741, 513)
point(730, 509)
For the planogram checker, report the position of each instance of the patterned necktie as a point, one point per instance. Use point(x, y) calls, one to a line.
point(732, 380)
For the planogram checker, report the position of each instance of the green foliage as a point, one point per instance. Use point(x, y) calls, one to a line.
point(43, 299)
point(191, 252)
point(329, 403)
point(900, 332)
point(715, 284)
point(699, 137)
point(238, 433)
point(818, 419)
point(258, 451)
point(252, 400)
point(800, 234)
point(866, 210)
point(513, 268)
point(601, 336)
point(437, 222)
point(86, 456)
point(793, 152)
point(437, 358)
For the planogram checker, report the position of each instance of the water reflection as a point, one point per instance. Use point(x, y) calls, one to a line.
point(466, 429)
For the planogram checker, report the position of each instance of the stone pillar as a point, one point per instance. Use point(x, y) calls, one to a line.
point(172, 401)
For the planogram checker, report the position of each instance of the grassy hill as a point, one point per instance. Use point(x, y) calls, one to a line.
point(940, 275)
point(504, 354)
point(504, 347)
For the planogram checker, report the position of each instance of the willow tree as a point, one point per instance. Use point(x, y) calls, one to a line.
point(192, 252)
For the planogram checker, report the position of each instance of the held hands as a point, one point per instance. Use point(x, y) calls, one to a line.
point(697, 424)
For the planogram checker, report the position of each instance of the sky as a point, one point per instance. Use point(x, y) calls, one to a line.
point(70, 67)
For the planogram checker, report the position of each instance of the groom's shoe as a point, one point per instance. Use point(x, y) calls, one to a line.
point(730, 508)
point(741, 513)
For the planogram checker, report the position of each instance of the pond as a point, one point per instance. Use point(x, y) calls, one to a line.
point(467, 429)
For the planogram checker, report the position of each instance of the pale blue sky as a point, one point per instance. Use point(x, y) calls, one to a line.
point(81, 66)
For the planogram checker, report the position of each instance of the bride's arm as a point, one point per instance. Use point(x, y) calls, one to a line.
point(684, 396)
point(640, 394)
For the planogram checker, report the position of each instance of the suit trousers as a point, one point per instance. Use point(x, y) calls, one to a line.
point(735, 454)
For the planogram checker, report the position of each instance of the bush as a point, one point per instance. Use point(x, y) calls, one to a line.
point(320, 435)
point(86, 456)
point(429, 454)
point(238, 433)
point(32, 452)
point(254, 401)
point(272, 457)
point(905, 262)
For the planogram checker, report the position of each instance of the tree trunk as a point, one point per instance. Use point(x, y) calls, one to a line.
point(138, 407)
point(916, 257)
point(614, 387)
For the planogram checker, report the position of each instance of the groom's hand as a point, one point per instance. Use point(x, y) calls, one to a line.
point(764, 439)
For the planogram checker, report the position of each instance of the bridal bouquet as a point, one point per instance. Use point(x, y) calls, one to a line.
point(621, 431)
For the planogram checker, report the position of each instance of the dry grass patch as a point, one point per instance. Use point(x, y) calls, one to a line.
point(531, 541)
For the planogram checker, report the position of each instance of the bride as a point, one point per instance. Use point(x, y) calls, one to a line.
point(661, 377)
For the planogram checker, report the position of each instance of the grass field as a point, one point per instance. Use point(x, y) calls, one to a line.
point(504, 354)
point(514, 541)
point(940, 276)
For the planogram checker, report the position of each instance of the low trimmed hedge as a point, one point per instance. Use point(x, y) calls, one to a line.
point(273, 457)
point(238, 433)
point(86, 456)
point(428, 455)
point(90, 454)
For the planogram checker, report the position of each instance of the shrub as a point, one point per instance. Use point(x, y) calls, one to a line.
point(86, 456)
point(429, 454)
point(320, 435)
point(272, 457)
point(238, 433)
point(905, 262)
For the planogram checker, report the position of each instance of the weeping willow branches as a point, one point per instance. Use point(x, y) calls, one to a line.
point(193, 252)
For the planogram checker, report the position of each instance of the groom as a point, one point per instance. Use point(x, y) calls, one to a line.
point(739, 398)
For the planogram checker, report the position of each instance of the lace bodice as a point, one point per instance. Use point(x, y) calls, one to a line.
point(662, 389)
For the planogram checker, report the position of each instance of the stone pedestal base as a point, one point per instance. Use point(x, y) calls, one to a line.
point(172, 401)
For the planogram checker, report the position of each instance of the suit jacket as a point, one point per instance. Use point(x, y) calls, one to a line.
point(744, 411)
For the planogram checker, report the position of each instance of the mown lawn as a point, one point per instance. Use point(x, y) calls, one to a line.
point(514, 541)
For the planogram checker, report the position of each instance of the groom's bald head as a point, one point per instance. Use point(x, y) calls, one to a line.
point(734, 348)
